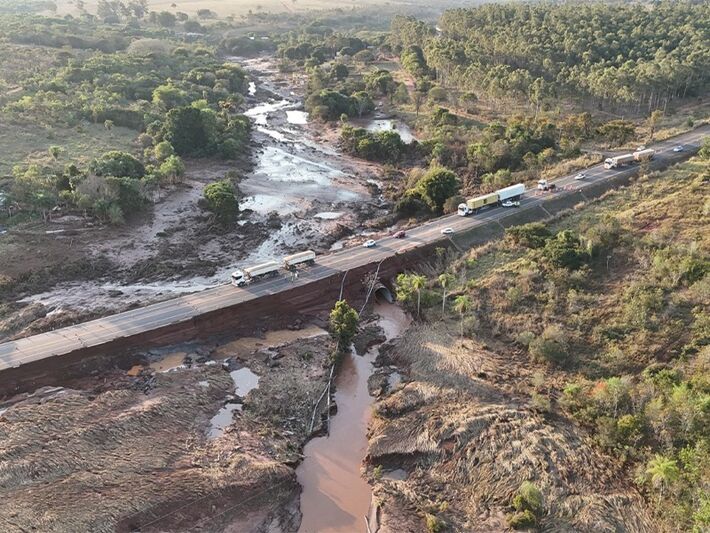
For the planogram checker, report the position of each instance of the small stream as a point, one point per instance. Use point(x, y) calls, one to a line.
point(335, 497)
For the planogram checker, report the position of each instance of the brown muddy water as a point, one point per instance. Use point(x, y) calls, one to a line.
point(335, 497)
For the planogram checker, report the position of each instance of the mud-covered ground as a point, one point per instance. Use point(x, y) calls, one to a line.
point(455, 440)
point(297, 192)
point(199, 437)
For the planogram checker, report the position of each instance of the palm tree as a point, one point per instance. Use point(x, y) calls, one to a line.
point(461, 305)
point(663, 471)
point(445, 280)
point(418, 283)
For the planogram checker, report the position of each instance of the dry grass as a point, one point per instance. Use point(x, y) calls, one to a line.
point(469, 442)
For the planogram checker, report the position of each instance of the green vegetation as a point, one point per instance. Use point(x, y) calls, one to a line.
point(110, 103)
point(343, 324)
point(381, 146)
point(221, 199)
point(610, 303)
point(611, 54)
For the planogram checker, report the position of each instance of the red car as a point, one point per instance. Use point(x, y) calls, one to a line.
point(400, 234)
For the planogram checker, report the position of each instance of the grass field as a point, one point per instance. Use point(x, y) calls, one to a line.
point(29, 143)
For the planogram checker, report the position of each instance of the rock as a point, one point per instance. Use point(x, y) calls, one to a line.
point(377, 384)
point(114, 293)
point(231, 364)
point(385, 353)
point(367, 337)
point(135, 370)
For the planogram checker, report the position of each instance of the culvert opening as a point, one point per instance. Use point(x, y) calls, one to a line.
point(383, 294)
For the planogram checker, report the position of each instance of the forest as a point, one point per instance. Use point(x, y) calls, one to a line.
point(614, 56)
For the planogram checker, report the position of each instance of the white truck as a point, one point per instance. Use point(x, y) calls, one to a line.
point(644, 155)
point(240, 278)
point(619, 161)
point(544, 185)
point(292, 261)
point(514, 192)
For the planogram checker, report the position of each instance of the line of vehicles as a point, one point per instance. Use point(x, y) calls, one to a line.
point(242, 277)
point(506, 197)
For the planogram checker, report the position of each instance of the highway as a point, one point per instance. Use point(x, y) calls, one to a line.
point(100, 331)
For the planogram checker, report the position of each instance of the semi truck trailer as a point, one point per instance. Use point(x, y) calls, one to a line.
point(473, 205)
point(618, 161)
point(240, 278)
point(291, 261)
point(644, 155)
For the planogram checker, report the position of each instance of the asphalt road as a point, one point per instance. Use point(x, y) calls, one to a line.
point(103, 330)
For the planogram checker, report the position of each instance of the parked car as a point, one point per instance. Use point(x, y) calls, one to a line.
point(580, 176)
point(447, 231)
point(369, 243)
point(511, 203)
point(401, 234)
point(678, 148)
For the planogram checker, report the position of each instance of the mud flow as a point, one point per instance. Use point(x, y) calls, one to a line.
point(336, 498)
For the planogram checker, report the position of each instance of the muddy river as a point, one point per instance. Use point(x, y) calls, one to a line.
point(335, 496)
point(312, 189)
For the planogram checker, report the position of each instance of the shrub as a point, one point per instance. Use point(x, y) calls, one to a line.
point(522, 520)
point(433, 523)
point(564, 251)
point(550, 347)
point(532, 235)
point(528, 498)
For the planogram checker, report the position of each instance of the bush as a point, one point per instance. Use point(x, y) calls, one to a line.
point(523, 520)
point(434, 524)
point(532, 235)
point(528, 498)
point(564, 251)
point(550, 347)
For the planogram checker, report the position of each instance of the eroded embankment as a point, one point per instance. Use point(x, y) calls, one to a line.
point(186, 440)
point(461, 437)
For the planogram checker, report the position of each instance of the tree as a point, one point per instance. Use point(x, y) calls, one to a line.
point(220, 198)
point(445, 280)
point(168, 96)
point(418, 283)
point(663, 471)
point(339, 71)
point(436, 186)
point(172, 168)
point(191, 131)
point(343, 324)
point(166, 19)
point(119, 164)
point(461, 305)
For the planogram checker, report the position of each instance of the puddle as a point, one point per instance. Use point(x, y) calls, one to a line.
point(405, 133)
point(328, 215)
point(169, 362)
point(335, 497)
point(247, 345)
point(222, 420)
point(244, 381)
point(297, 117)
